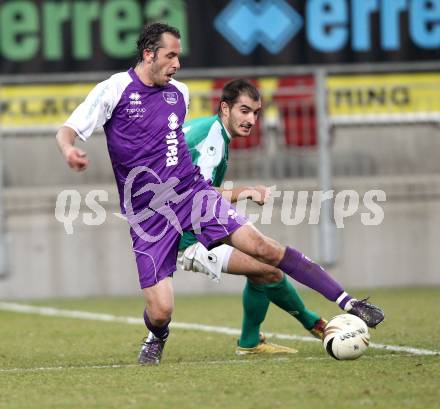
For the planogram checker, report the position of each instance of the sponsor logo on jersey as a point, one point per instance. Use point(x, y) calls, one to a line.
point(173, 121)
point(170, 97)
point(171, 141)
point(135, 98)
point(135, 112)
point(211, 151)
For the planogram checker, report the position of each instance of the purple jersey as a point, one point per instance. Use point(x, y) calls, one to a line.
point(143, 125)
point(161, 191)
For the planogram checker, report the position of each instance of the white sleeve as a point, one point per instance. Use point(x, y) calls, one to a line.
point(98, 106)
point(183, 88)
point(211, 154)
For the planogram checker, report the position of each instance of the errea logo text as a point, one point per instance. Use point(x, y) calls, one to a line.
point(135, 98)
point(171, 141)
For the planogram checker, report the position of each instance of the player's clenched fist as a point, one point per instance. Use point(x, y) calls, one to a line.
point(261, 195)
point(76, 158)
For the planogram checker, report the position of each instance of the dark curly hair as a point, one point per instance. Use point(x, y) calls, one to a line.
point(149, 38)
point(233, 89)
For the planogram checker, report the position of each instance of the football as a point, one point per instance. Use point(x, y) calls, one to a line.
point(346, 337)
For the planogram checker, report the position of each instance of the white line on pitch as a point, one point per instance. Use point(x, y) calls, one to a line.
point(239, 361)
point(60, 368)
point(193, 363)
point(55, 312)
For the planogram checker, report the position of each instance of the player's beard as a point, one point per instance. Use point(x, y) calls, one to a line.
point(243, 130)
point(159, 77)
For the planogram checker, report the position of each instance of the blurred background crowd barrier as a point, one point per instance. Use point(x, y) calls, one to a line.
point(382, 132)
point(331, 121)
point(379, 124)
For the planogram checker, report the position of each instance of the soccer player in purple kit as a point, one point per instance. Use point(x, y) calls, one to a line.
point(163, 194)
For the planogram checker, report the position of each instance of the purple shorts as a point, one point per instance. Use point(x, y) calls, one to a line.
point(156, 239)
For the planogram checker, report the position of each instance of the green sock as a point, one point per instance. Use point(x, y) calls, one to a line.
point(255, 306)
point(284, 294)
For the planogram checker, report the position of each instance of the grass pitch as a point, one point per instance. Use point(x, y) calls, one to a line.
point(58, 362)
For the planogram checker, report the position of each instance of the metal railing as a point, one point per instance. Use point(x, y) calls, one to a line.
point(302, 131)
point(4, 268)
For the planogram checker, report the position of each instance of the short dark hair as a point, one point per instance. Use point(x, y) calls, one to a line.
point(150, 36)
point(233, 89)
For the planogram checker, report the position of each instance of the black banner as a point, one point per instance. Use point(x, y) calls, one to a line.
point(97, 35)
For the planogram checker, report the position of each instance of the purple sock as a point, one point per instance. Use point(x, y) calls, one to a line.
point(158, 332)
point(343, 300)
point(301, 269)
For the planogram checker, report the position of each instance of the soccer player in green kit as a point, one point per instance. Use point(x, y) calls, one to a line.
point(208, 140)
point(162, 192)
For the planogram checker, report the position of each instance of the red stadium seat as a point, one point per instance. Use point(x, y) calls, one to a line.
point(296, 104)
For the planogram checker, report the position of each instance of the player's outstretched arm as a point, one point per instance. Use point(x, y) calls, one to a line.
point(75, 157)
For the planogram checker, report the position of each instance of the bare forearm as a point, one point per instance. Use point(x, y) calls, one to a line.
point(75, 157)
point(65, 139)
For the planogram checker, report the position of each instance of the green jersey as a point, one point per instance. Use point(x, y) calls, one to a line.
point(208, 143)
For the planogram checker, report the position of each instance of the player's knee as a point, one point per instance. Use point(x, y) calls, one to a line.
point(276, 276)
point(273, 276)
point(160, 314)
point(161, 318)
point(267, 251)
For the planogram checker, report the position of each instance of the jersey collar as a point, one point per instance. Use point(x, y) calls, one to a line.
point(225, 131)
